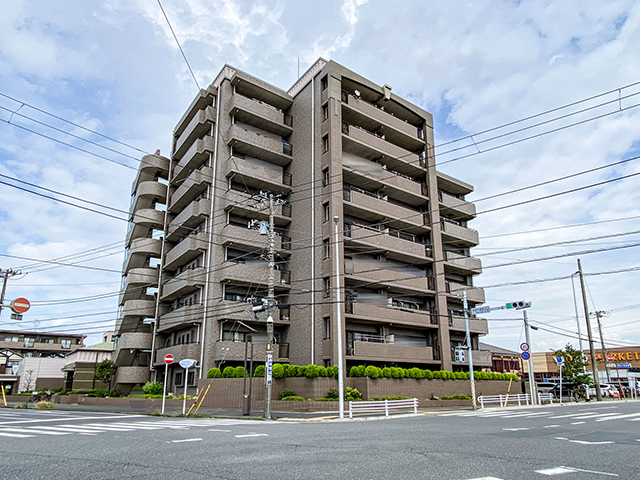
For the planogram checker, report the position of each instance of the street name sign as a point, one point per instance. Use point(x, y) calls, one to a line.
point(187, 362)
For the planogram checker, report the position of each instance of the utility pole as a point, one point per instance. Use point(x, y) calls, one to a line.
point(575, 308)
point(594, 367)
point(6, 274)
point(599, 314)
point(472, 380)
point(336, 219)
point(532, 378)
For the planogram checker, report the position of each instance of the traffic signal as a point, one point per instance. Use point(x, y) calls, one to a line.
point(519, 305)
point(459, 355)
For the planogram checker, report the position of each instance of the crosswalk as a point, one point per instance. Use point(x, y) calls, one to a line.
point(95, 428)
point(557, 470)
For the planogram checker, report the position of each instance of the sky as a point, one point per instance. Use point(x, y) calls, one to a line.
point(113, 67)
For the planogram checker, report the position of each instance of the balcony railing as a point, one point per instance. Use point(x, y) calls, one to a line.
point(287, 148)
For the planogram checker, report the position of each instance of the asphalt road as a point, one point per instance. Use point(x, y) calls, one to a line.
point(584, 441)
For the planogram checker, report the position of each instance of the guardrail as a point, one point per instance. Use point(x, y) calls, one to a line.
point(503, 399)
point(385, 406)
point(542, 397)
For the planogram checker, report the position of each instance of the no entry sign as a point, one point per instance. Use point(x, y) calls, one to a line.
point(168, 359)
point(20, 305)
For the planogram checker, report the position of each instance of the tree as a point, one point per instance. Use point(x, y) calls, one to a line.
point(573, 368)
point(105, 371)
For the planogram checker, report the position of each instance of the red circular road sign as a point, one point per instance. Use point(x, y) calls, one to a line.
point(524, 346)
point(168, 359)
point(611, 358)
point(20, 305)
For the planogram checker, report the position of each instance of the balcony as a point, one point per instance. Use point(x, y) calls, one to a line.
point(258, 174)
point(229, 310)
point(137, 279)
point(463, 263)
point(373, 118)
point(129, 375)
point(188, 218)
point(194, 185)
point(186, 250)
point(234, 352)
point(476, 325)
point(474, 294)
point(154, 165)
point(395, 248)
point(255, 272)
point(149, 218)
point(369, 145)
point(194, 158)
point(199, 126)
point(368, 206)
point(242, 204)
point(391, 315)
point(204, 99)
point(458, 207)
point(259, 146)
point(388, 278)
point(145, 308)
point(139, 251)
point(183, 283)
point(179, 352)
point(147, 193)
point(389, 352)
point(389, 182)
point(458, 234)
point(481, 358)
point(181, 317)
point(128, 343)
point(260, 114)
point(453, 185)
point(235, 235)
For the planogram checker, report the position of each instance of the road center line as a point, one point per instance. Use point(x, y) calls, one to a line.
point(187, 440)
point(515, 429)
point(577, 423)
point(252, 435)
point(584, 442)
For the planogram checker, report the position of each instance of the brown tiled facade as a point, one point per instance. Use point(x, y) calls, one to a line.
point(335, 144)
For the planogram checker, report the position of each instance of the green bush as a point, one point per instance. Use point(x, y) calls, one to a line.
point(456, 397)
point(228, 372)
point(238, 372)
point(214, 373)
point(428, 374)
point(332, 371)
point(403, 372)
point(44, 405)
point(332, 394)
point(151, 388)
point(371, 372)
point(386, 372)
point(286, 393)
point(278, 370)
point(290, 370)
point(322, 371)
point(377, 399)
point(356, 371)
point(352, 394)
point(395, 372)
point(113, 393)
point(294, 398)
point(311, 371)
point(258, 372)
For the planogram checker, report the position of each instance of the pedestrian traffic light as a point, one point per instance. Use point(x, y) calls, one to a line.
point(459, 355)
point(519, 305)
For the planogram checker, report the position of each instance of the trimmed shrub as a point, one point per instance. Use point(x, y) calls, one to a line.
point(415, 373)
point(290, 370)
point(311, 371)
point(355, 371)
point(371, 372)
point(238, 372)
point(214, 373)
point(228, 372)
point(278, 370)
point(352, 394)
point(322, 371)
point(386, 372)
point(286, 393)
point(258, 372)
point(377, 399)
point(333, 371)
point(332, 394)
point(395, 372)
point(456, 397)
point(302, 371)
point(402, 372)
point(436, 374)
point(150, 388)
point(428, 374)
point(294, 398)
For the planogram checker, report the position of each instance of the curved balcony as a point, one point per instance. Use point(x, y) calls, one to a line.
point(259, 146)
point(154, 165)
point(184, 283)
point(242, 204)
point(145, 308)
point(199, 126)
point(193, 185)
point(260, 114)
point(186, 250)
point(136, 280)
point(180, 317)
point(191, 216)
point(139, 251)
point(135, 340)
point(179, 352)
point(194, 157)
point(258, 174)
point(132, 375)
point(147, 193)
point(149, 218)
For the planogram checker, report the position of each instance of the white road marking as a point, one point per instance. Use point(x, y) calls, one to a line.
point(577, 423)
point(596, 416)
point(573, 415)
point(218, 430)
point(187, 440)
point(561, 438)
point(618, 417)
point(14, 435)
point(102, 417)
point(252, 435)
point(583, 442)
point(536, 414)
point(555, 471)
point(33, 430)
point(67, 429)
point(88, 434)
point(515, 429)
point(551, 426)
point(485, 478)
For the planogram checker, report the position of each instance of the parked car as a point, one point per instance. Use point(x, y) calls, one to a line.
point(567, 391)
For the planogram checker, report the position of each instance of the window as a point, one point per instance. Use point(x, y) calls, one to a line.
point(28, 342)
point(191, 378)
point(325, 177)
point(325, 212)
point(11, 339)
point(65, 343)
point(326, 248)
point(327, 327)
point(326, 287)
point(178, 379)
point(324, 82)
point(325, 144)
point(47, 340)
point(325, 112)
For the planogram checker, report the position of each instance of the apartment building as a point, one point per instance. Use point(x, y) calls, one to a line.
point(40, 344)
point(334, 145)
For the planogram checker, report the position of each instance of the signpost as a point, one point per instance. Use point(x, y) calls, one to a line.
point(168, 360)
point(560, 362)
point(186, 363)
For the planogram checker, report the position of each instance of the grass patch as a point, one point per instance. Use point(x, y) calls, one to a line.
point(44, 405)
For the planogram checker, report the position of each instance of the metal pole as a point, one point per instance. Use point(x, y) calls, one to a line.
point(532, 379)
point(575, 308)
point(5, 278)
point(270, 304)
point(599, 314)
point(164, 387)
point(472, 380)
point(594, 367)
point(560, 384)
point(336, 219)
point(245, 398)
point(184, 399)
